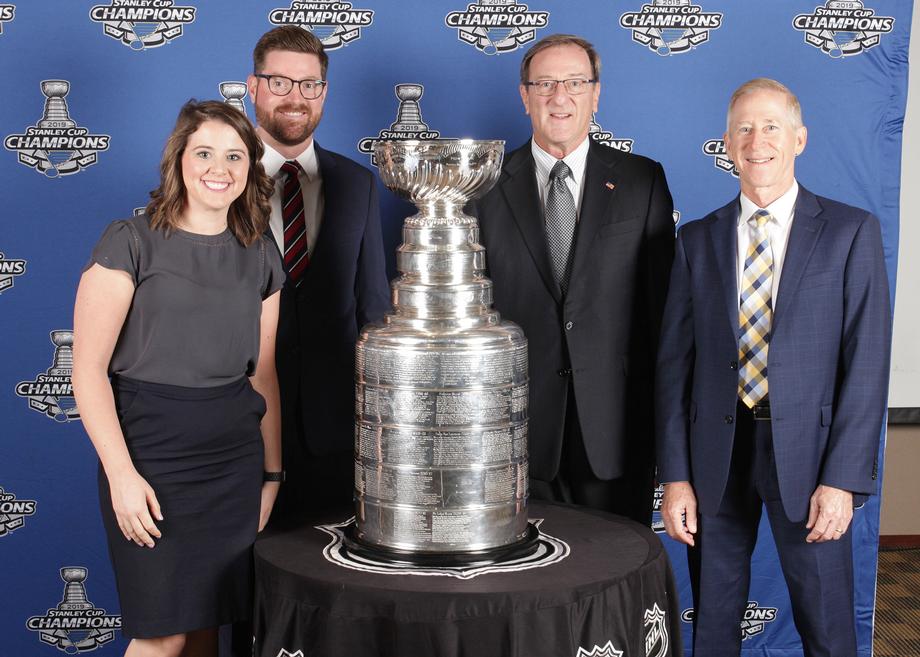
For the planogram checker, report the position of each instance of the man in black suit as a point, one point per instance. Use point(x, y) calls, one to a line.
point(326, 222)
point(580, 254)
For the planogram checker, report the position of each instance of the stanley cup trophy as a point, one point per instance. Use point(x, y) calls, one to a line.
point(441, 383)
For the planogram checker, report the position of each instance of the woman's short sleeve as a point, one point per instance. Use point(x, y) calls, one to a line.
point(118, 248)
point(273, 274)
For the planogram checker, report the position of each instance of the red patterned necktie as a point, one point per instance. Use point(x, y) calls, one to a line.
point(296, 258)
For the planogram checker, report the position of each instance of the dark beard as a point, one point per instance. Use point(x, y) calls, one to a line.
point(284, 131)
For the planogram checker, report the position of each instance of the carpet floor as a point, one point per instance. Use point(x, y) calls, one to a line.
point(897, 603)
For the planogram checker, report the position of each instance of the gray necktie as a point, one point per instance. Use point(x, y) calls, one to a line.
point(560, 223)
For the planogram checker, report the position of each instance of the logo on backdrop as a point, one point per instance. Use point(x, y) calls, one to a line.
point(56, 145)
point(494, 27)
point(334, 23)
point(13, 512)
point(605, 137)
point(234, 92)
point(656, 634)
point(10, 268)
point(754, 622)
point(76, 624)
point(408, 123)
point(141, 24)
point(842, 28)
point(658, 496)
point(607, 650)
point(7, 14)
point(715, 148)
point(51, 392)
point(286, 653)
point(671, 27)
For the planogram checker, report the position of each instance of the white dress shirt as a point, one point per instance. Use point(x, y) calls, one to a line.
point(311, 186)
point(575, 160)
point(777, 229)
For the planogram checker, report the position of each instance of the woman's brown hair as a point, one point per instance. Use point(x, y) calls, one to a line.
point(248, 215)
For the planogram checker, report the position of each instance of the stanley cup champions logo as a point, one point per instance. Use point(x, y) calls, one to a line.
point(754, 622)
point(10, 268)
point(7, 13)
point(656, 632)
point(671, 27)
point(715, 148)
point(333, 22)
point(56, 146)
point(141, 24)
point(605, 137)
point(76, 624)
point(13, 512)
point(842, 28)
point(234, 93)
point(496, 26)
point(51, 393)
point(408, 123)
point(658, 495)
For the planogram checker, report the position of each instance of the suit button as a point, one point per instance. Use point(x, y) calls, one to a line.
point(733, 365)
point(565, 371)
point(728, 419)
point(569, 325)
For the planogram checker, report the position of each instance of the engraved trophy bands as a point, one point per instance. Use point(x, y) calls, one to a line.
point(441, 391)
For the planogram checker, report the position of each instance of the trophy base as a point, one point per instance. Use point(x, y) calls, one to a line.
point(486, 557)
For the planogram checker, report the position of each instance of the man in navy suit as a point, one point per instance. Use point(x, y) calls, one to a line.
point(325, 220)
point(580, 239)
point(771, 384)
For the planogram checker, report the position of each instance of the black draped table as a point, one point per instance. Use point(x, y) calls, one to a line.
point(598, 586)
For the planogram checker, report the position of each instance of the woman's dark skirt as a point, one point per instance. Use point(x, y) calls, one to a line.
point(201, 451)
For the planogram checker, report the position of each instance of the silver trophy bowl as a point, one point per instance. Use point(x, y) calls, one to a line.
point(441, 383)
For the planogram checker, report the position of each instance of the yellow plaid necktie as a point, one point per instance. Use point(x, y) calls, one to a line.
point(755, 313)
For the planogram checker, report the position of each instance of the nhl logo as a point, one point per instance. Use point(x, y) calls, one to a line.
point(408, 123)
point(607, 650)
point(7, 13)
point(671, 27)
point(843, 28)
point(494, 27)
point(715, 148)
point(56, 145)
point(656, 634)
point(76, 624)
point(13, 512)
point(9, 269)
point(142, 24)
point(605, 137)
point(51, 393)
point(333, 22)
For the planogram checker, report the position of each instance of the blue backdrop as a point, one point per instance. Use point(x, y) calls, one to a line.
point(92, 90)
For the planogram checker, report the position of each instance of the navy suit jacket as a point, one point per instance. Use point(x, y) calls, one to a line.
point(602, 333)
point(344, 288)
point(827, 366)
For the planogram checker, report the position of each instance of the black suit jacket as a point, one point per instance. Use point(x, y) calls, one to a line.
point(604, 332)
point(344, 288)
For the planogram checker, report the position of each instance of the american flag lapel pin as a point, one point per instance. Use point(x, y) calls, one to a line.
point(609, 185)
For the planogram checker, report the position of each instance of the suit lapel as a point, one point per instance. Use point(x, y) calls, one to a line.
point(724, 236)
point(598, 193)
point(332, 199)
point(520, 190)
point(806, 227)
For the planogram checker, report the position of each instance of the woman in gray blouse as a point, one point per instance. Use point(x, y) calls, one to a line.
point(179, 306)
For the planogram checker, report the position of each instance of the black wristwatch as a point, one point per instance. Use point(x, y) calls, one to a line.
point(280, 477)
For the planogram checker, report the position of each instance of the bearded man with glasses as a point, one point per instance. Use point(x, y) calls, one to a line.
point(580, 239)
point(326, 222)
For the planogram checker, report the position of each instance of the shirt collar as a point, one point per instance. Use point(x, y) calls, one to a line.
point(272, 161)
point(781, 209)
point(575, 161)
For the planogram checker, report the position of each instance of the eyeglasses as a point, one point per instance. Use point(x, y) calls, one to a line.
point(573, 86)
point(281, 86)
